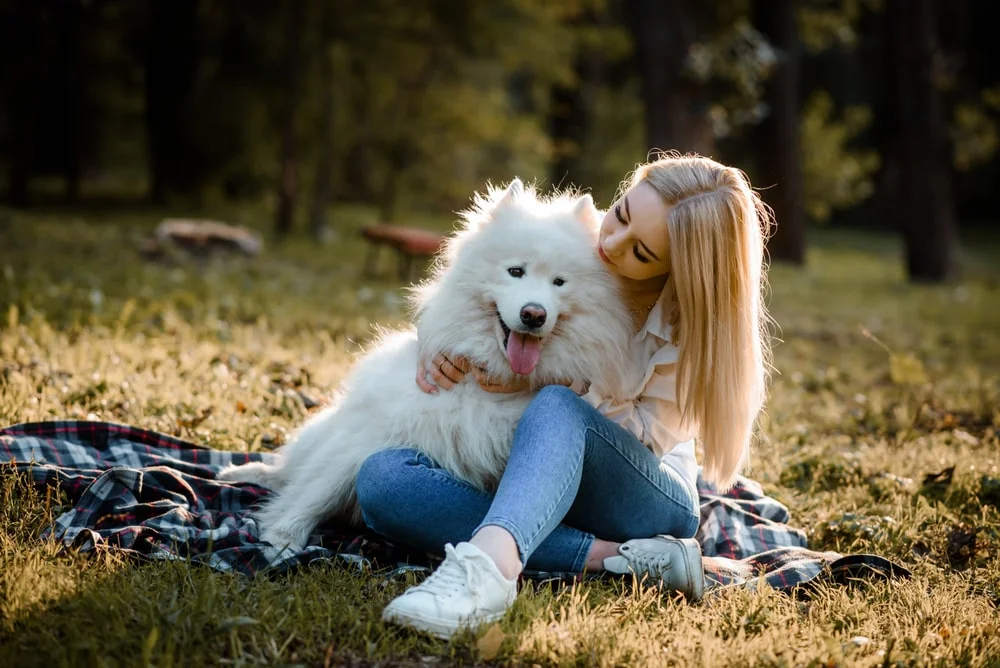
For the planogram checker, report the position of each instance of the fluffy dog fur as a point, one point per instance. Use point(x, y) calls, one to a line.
point(514, 249)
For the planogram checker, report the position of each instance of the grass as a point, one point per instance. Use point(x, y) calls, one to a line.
point(880, 384)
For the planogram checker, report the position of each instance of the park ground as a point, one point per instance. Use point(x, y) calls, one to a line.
point(881, 436)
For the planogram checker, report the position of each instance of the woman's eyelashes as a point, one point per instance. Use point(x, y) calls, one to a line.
point(635, 248)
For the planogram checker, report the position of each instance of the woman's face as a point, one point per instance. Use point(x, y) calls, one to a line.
point(633, 238)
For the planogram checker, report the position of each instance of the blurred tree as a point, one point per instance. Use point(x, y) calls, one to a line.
point(839, 162)
point(172, 57)
point(676, 106)
point(923, 192)
point(414, 105)
point(836, 174)
point(569, 123)
point(46, 102)
point(288, 179)
point(21, 30)
point(577, 118)
point(69, 80)
point(970, 80)
point(778, 154)
point(323, 181)
point(435, 98)
point(212, 73)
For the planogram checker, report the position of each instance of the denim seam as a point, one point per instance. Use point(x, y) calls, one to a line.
point(580, 560)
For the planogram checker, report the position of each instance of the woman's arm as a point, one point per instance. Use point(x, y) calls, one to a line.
point(444, 372)
point(521, 383)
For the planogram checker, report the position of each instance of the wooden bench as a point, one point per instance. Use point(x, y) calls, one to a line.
point(408, 242)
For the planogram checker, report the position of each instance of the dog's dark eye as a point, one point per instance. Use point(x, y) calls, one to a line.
point(516, 272)
point(558, 282)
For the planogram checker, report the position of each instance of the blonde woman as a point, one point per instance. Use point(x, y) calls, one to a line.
point(592, 484)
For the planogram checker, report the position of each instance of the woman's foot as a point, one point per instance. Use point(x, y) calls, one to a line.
point(466, 590)
point(676, 562)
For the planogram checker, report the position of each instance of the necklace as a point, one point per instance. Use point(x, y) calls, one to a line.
point(644, 311)
point(639, 315)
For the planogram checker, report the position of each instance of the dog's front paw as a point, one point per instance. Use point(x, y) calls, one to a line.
point(276, 555)
point(281, 542)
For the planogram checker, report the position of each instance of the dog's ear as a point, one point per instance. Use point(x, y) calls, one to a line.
point(584, 210)
point(514, 190)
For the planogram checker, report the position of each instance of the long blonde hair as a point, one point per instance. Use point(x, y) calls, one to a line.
point(717, 227)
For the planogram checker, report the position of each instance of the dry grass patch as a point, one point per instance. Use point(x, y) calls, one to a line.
point(874, 450)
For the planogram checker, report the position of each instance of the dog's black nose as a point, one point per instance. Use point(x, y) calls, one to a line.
point(533, 315)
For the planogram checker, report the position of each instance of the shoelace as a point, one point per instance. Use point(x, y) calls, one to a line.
point(655, 563)
point(452, 573)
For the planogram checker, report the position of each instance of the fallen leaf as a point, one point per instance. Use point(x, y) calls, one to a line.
point(489, 643)
point(241, 407)
point(920, 549)
point(961, 544)
point(192, 423)
point(938, 482)
point(947, 422)
point(989, 491)
point(964, 437)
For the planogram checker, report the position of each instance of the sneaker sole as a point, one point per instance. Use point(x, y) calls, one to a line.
point(437, 627)
point(694, 565)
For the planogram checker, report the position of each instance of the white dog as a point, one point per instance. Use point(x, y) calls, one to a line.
point(518, 290)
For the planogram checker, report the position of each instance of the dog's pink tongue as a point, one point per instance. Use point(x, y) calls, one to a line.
point(523, 352)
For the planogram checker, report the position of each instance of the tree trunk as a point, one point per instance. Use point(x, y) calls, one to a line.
point(287, 183)
point(171, 63)
point(323, 186)
point(72, 81)
point(22, 36)
point(778, 153)
point(568, 123)
point(676, 106)
point(924, 193)
point(358, 169)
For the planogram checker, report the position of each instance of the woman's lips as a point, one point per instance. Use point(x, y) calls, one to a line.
point(602, 254)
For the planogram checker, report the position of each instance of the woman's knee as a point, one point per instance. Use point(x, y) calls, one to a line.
point(556, 400)
point(555, 421)
point(379, 480)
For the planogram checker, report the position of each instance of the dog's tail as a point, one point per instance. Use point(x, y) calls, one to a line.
point(258, 473)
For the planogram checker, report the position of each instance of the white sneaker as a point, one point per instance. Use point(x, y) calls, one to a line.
point(674, 561)
point(466, 590)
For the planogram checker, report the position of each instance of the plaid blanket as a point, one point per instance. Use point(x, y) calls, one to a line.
point(156, 496)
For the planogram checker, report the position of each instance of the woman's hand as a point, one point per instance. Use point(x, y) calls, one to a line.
point(446, 372)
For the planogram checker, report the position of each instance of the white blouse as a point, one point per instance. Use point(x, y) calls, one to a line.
point(652, 413)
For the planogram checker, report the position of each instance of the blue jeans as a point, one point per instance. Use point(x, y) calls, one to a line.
point(573, 474)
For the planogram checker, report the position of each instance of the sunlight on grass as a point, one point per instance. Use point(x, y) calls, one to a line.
point(898, 458)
